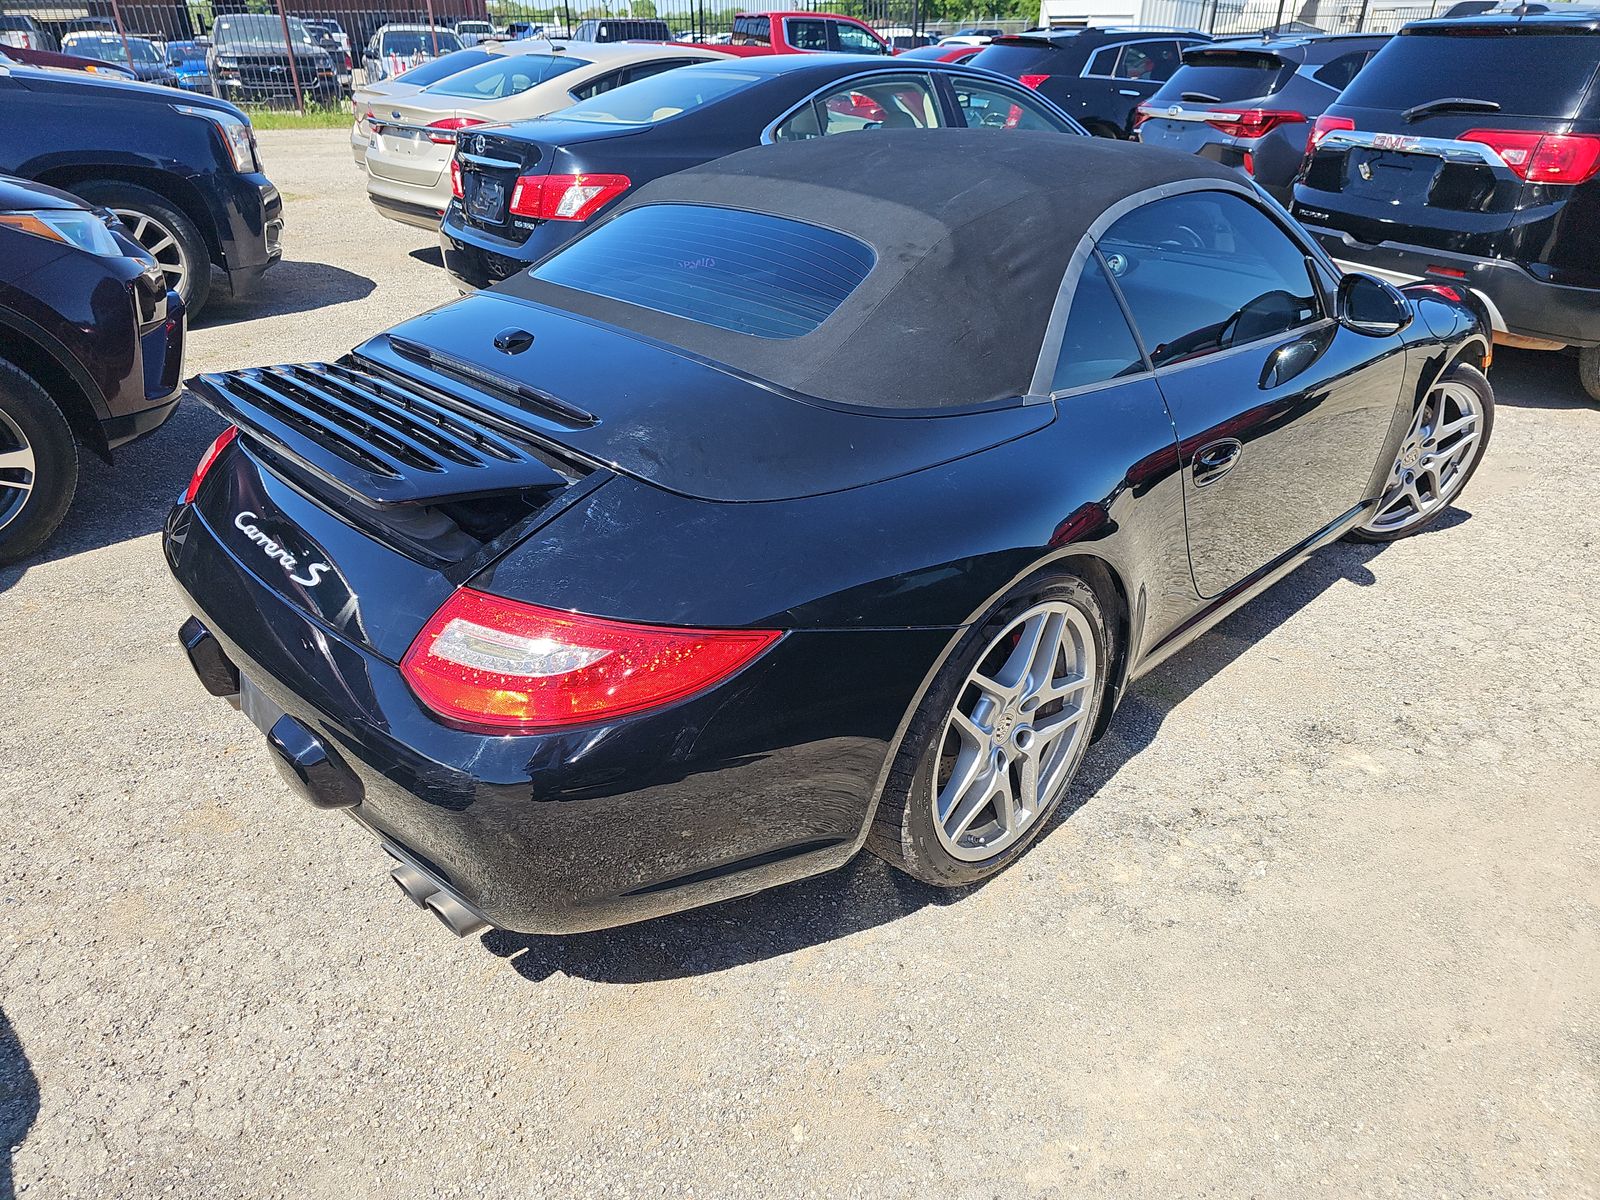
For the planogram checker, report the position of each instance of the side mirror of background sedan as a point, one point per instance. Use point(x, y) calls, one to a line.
point(1372, 307)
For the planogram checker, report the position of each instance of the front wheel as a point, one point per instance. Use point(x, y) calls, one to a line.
point(165, 232)
point(1442, 449)
point(995, 744)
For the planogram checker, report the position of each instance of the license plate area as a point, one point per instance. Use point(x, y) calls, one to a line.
point(486, 200)
point(1391, 175)
point(256, 705)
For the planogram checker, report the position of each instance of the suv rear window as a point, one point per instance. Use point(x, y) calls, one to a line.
point(1527, 73)
point(1227, 75)
point(746, 272)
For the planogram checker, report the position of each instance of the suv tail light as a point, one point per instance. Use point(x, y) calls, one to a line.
point(565, 197)
point(1252, 122)
point(443, 133)
point(1031, 81)
point(207, 461)
point(500, 666)
point(1542, 157)
point(1323, 127)
point(1142, 114)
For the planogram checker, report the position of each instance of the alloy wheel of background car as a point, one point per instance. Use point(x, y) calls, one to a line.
point(162, 243)
point(1441, 450)
point(38, 464)
point(165, 232)
point(998, 740)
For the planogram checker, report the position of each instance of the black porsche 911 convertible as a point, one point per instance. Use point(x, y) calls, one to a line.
point(827, 495)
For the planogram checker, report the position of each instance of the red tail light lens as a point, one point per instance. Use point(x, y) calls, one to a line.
point(456, 189)
point(1142, 114)
point(565, 197)
point(499, 666)
point(207, 461)
point(1253, 122)
point(443, 133)
point(1542, 157)
point(1031, 81)
point(1323, 127)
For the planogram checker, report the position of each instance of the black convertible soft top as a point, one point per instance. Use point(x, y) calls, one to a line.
point(973, 232)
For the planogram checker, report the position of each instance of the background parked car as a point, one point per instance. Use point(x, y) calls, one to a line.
point(944, 52)
point(369, 98)
point(330, 38)
point(757, 34)
point(622, 30)
point(91, 352)
point(194, 197)
point(397, 48)
point(473, 32)
point(527, 188)
point(63, 62)
point(188, 62)
point(412, 140)
point(1099, 76)
point(1467, 154)
point(25, 33)
point(250, 62)
point(1250, 106)
point(522, 29)
point(139, 55)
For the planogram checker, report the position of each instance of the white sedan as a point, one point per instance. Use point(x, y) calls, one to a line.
point(370, 97)
point(413, 138)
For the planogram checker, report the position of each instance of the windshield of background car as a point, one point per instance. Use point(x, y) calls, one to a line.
point(419, 41)
point(506, 75)
point(252, 30)
point(1227, 75)
point(110, 49)
point(1528, 72)
point(769, 277)
point(659, 97)
point(443, 67)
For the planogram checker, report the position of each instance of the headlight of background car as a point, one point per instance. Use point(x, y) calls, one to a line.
point(236, 133)
point(84, 230)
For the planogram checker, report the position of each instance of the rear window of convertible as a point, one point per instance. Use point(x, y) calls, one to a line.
point(746, 272)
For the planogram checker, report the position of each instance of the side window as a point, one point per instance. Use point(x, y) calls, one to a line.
point(1097, 345)
point(803, 126)
point(1103, 61)
point(601, 83)
point(1149, 62)
point(1207, 271)
point(807, 35)
point(752, 31)
point(994, 106)
point(1168, 58)
point(1338, 73)
point(903, 103)
point(855, 40)
point(645, 70)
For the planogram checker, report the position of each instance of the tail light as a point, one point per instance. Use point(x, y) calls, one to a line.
point(456, 189)
point(1323, 127)
point(1249, 163)
point(443, 133)
point(209, 460)
point(1142, 114)
point(1447, 272)
point(1031, 81)
point(1542, 157)
point(499, 666)
point(565, 197)
point(1253, 122)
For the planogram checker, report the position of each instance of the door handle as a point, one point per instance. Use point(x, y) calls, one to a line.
point(1128, 92)
point(1211, 462)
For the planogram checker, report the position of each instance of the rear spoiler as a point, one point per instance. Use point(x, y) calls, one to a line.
point(379, 439)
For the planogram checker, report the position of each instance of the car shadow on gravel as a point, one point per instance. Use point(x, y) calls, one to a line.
point(19, 1102)
point(290, 287)
point(1537, 379)
point(131, 498)
point(866, 893)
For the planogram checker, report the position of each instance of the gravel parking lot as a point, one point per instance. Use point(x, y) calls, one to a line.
point(1327, 921)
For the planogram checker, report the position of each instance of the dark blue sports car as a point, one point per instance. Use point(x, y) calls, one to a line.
point(824, 496)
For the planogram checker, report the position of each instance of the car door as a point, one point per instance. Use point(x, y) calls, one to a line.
point(1281, 413)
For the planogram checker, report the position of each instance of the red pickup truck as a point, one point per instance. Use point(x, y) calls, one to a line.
point(802, 33)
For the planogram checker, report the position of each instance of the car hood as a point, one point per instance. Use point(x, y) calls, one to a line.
point(123, 90)
point(673, 420)
point(18, 195)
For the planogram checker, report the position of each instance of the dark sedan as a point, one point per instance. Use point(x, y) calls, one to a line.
point(823, 496)
point(523, 190)
point(91, 352)
point(135, 54)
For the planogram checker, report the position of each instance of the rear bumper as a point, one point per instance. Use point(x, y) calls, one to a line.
point(1516, 302)
point(422, 216)
point(741, 788)
point(475, 259)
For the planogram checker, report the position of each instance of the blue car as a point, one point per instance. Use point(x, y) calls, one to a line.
point(187, 60)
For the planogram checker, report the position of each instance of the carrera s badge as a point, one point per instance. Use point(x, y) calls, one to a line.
point(245, 524)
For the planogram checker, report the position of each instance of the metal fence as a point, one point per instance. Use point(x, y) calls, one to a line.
point(1226, 18)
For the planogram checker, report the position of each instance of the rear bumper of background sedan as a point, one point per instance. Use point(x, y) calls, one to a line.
point(475, 259)
point(768, 777)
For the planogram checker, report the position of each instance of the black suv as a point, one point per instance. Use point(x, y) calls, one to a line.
point(180, 170)
point(1467, 154)
point(1100, 76)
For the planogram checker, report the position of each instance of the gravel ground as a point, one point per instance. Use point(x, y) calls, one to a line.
point(1325, 925)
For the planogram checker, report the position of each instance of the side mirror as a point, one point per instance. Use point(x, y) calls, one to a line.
point(1372, 307)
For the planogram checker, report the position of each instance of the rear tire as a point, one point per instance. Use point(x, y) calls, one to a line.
point(161, 228)
point(1017, 738)
point(1589, 370)
point(38, 465)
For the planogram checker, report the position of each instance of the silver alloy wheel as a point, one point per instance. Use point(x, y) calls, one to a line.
point(1009, 746)
point(17, 469)
point(1433, 461)
point(162, 244)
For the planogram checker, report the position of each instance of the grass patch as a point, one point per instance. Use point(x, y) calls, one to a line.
point(312, 118)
